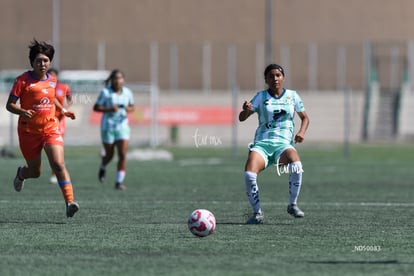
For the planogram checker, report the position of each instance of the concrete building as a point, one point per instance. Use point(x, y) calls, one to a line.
point(306, 36)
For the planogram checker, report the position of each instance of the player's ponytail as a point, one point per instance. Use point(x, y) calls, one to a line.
point(108, 81)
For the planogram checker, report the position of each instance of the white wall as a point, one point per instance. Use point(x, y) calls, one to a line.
point(325, 109)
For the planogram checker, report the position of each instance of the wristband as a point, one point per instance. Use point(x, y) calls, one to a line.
point(64, 110)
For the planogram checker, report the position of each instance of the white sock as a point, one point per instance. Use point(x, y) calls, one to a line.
point(120, 176)
point(295, 181)
point(252, 191)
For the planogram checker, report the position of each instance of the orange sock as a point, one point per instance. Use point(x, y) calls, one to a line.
point(67, 190)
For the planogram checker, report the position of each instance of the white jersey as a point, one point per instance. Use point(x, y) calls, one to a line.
point(109, 98)
point(276, 115)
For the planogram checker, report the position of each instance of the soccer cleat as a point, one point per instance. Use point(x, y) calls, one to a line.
point(18, 183)
point(120, 186)
point(101, 175)
point(294, 210)
point(71, 209)
point(257, 218)
point(53, 179)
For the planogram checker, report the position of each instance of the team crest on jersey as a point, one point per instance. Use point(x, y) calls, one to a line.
point(52, 84)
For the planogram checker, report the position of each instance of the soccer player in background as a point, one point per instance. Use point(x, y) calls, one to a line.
point(273, 141)
point(64, 96)
point(38, 127)
point(115, 102)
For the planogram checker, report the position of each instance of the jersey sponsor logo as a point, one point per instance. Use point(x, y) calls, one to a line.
point(270, 102)
point(277, 115)
point(45, 100)
point(44, 90)
point(44, 104)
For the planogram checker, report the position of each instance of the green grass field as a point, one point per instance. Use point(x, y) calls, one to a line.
point(359, 217)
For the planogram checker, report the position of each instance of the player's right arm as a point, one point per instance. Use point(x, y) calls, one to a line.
point(14, 108)
point(12, 105)
point(101, 108)
point(100, 104)
point(246, 112)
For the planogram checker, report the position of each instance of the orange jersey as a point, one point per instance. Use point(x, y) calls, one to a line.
point(62, 91)
point(37, 95)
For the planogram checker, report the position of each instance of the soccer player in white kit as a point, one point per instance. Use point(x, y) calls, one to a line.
point(115, 102)
point(274, 139)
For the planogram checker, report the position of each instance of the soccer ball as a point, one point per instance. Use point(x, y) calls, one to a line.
point(201, 222)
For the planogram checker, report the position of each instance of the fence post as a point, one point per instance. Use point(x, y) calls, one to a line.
point(410, 64)
point(207, 67)
point(154, 63)
point(260, 64)
point(285, 63)
point(312, 66)
point(234, 133)
point(341, 68)
point(56, 32)
point(101, 55)
point(347, 121)
point(173, 67)
point(231, 66)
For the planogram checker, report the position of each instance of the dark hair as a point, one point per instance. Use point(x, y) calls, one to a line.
point(53, 70)
point(41, 47)
point(114, 72)
point(270, 67)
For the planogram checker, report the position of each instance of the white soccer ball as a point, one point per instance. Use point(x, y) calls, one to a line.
point(201, 222)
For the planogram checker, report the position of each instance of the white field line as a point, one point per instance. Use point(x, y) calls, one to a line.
point(172, 202)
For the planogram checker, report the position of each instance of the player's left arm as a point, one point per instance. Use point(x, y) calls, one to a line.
point(65, 112)
point(69, 100)
point(130, 107)
point(300, 136)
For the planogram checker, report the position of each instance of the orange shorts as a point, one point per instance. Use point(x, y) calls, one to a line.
point(31, 144)
point(62, 126)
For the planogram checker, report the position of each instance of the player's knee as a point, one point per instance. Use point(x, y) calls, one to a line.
point(109, 154)
point(122, 156)
point(35, 173)
point(58, 166)
point(296, 167)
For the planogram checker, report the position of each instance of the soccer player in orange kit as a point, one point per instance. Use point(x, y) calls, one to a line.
point(64, 96)
point(38, 127)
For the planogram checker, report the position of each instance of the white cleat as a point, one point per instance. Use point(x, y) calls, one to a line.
point(53, 179)
point(294, 210)
point(257, 218)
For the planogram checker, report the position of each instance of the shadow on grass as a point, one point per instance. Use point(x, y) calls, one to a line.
point(244, 223)
point(30, 222)
point(356, 262)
